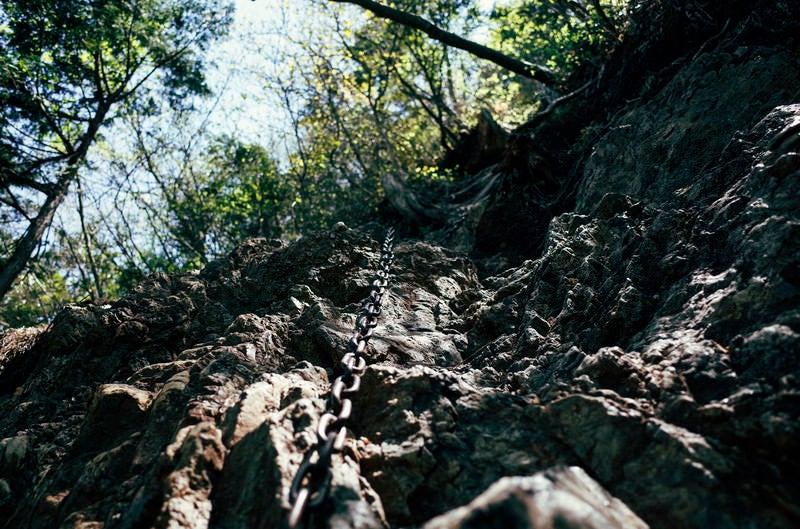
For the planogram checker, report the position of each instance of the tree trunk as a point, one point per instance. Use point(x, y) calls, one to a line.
point(33, 235)
point(27, 244)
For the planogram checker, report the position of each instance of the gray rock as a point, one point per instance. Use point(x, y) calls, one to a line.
point(556, 498)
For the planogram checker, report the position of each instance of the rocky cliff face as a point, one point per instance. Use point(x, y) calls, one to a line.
point(640, 369)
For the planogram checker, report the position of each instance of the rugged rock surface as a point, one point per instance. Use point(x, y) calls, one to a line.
point(642, 370)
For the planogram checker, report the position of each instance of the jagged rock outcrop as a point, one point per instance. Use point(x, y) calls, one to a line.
point(561, 497)
point(642, 370)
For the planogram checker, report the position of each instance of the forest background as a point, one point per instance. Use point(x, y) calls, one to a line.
point(139, 137)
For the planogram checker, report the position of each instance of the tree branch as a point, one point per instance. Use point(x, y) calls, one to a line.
point(524, 68)
point(608, 24)
point(87, 245)
point(14, 204)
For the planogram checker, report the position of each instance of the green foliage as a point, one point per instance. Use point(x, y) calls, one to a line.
point(63, 60)
point(559, 34)
point(426, 174)
point(39, 295)
point(235, 192)
point(562, 35)
point(66, 67)
point(369, 99)
point(41, 291)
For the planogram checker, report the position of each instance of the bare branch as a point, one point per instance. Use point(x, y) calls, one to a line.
point(524, 68)
point(14, 204)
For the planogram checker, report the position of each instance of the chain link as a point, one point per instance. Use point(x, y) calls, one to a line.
point(312, 483)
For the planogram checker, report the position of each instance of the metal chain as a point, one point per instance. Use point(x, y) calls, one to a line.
point(312, 483)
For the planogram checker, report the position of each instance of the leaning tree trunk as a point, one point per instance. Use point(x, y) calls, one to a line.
point(33, 235)
point(27, 244)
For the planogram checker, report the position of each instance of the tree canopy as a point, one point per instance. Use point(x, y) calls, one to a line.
point(106, 111)
point(65, 70)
